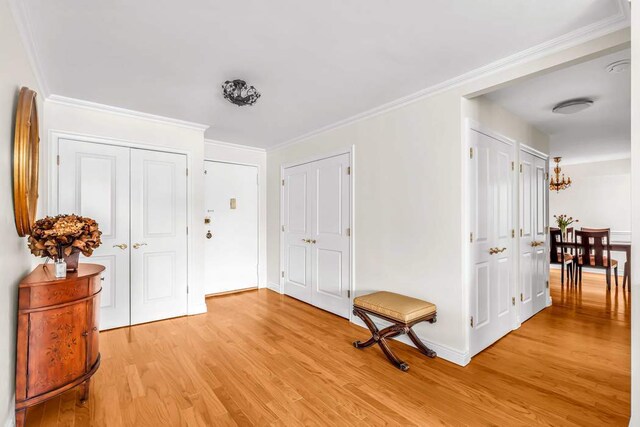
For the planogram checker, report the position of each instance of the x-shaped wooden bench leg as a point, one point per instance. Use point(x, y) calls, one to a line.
point(392, 331)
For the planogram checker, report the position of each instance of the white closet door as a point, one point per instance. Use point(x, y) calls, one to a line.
point(491, 183)
point(158, 235)
point(297, 218)
point(330, 217)
point(93, 181)
point(231, 204)
point(533, 223)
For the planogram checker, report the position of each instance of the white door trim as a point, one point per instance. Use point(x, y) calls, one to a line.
point(473, 125)
point(52, 188)
point(259, 171)
point(351, 152)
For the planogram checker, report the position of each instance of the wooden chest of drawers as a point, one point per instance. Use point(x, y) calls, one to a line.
point(58, 329)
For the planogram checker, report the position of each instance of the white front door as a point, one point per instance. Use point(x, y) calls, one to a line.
point(158, 235)
point(317, 209)
point(491, 200)
point(93, 181)
point(533, 232)
point(231, 246)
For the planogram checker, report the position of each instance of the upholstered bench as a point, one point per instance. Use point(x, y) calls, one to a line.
point(404, 312)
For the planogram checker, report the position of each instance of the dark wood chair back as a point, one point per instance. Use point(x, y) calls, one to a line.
point(593, 248)
point(555, 251)
point(570, 234)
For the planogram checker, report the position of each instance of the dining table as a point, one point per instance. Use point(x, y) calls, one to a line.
point(613, 247)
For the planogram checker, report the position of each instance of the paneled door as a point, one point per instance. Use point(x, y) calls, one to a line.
point(317, 209)
point(158, 235)
point(491, 179)
point(93, 181)
point(533, 231)
point(231, 246)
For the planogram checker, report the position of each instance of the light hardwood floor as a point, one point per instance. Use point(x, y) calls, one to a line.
point(258, 358)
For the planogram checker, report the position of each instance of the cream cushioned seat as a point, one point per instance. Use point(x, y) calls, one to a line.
point(395, 306)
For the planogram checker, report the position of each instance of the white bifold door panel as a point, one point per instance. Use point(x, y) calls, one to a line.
point(93, 181)
point(491, 183)
point(533, 209)
point(158, 235)
point(316, 225)
point(231, 245)
point(139, 199)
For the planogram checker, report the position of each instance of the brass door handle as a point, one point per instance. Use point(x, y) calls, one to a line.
point(306, 240)
point(138, 245)
point(493, 251)
point(536, 243)
point(122, 246)
point(313, 241)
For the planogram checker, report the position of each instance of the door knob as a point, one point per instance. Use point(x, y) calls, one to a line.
point(137, 245)
point(209, 235)
point(306, 240)
point(122, 246)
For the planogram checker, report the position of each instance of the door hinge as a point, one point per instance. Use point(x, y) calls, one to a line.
point(348, 232)
point(513, 300)
point(187, 171)
point(470, 237)
point(521, 297)
point(58, 159)
point(521, 232)
point(283, 273)
point(471, 153)
point(520, 167)
point(283, 182)
point(283, 228)
point(187, 229)
point(513, 233)
point(547, 284)
point(348, 293)
point(546, 176)
point(547, 229)
point(472, 321)
point(348, 170)
point(513, 165)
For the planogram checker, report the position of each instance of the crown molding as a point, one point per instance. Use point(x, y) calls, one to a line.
point(234, 146)
point(620, 20)
point(21, 19)
point(94, 106)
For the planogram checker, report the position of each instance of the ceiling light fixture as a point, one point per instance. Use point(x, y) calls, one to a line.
point(555, 183)
point(239, 93)
point(619, 66)
point(573, 106)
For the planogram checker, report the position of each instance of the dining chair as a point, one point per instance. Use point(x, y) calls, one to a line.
point(559, 256)
point(593, 250)
point(625, 270)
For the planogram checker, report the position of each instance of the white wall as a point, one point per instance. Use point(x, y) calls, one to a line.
point(599, 196)
point(232, 153)
point(15, 260)
point(408, 231)
point(117, 128)
point(635, 215)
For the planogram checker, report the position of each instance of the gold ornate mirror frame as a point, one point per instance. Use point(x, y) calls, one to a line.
point(25, 162)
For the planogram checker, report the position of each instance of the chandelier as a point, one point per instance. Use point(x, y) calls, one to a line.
point(239, 93)
point(556, 183)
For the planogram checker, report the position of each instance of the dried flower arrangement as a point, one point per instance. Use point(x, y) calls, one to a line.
point(60, 236)
point(563, 222)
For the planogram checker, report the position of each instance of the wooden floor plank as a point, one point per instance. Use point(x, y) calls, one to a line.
point(259, 358)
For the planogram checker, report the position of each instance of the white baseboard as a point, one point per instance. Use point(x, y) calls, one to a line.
point(274, 287)
point(197, 309)
point(593, 270)
point(444, 351)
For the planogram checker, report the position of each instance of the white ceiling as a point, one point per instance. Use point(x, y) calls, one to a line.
point(601, 132)
point(315, 62)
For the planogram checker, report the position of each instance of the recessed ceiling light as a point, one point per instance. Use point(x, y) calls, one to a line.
point(619, 66)
point(572, 106)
